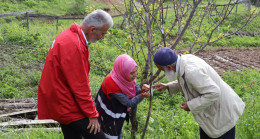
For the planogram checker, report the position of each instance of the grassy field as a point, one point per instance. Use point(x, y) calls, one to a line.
point(53, 7)
point(168, 120)
point(23, 53)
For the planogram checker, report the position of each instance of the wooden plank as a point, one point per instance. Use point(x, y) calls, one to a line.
point(27, 100)
point(71, 18)
point(17, 105)
point(16, 13)
point(43, 16)
point(27, 122)
point(17, 113)
point(55, 129)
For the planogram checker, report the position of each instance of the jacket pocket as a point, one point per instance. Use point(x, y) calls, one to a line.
point(211, 111)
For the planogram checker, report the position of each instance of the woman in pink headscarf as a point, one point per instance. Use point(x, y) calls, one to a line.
point(119, 92)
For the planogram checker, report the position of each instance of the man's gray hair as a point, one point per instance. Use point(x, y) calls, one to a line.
point(98, 18)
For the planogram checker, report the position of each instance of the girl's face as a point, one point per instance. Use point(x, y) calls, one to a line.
point(133, 74)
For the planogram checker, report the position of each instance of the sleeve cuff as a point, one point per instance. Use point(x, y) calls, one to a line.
point(174, 87)
point(139, 97)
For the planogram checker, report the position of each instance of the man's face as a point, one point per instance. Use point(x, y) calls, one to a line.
point(168, 71)
point(159, 67)
point(97, 34)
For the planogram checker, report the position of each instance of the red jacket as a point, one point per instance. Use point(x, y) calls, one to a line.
point(64, 91)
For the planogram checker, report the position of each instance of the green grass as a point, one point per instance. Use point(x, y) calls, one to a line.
point(33, 133)
point(20, 71)
point(168, 120)
point(246, 84)
point(25, 51)
point(53, 7)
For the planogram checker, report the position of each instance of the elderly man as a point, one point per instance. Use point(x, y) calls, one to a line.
point(64, 92)
point(213, 103)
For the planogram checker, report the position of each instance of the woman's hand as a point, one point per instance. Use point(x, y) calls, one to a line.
point(93, 125)
point(145, 94)
point(145, 88)
point(145, 91)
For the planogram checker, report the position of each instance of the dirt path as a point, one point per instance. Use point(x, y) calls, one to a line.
point(223, 60)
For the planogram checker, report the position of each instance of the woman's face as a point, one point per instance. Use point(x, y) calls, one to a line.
point(133, 74)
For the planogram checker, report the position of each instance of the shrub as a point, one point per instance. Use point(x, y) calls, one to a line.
point(30, 3)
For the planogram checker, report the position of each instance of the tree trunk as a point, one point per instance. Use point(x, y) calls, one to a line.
point(134, 122)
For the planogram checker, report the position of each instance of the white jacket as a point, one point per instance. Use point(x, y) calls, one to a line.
point(213, 103)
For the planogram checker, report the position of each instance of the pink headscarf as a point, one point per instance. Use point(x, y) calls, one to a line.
point(122, 68)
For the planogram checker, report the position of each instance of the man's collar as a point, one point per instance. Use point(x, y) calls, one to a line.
point(178, 66)
point(84, 37)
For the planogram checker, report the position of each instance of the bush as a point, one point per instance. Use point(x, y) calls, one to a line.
point(30, 3)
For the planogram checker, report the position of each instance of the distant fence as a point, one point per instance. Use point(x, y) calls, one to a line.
point(29, 14)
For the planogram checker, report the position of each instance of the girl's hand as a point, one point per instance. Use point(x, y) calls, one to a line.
point(145, 95)
point(145, 88)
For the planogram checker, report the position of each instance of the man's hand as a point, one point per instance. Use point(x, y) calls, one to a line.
point(93, 125)
point(161, 86)
point(184, 106)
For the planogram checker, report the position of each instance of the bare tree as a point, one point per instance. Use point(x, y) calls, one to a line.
point(151, 24)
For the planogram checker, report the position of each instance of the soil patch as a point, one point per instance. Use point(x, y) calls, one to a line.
point(223, 60)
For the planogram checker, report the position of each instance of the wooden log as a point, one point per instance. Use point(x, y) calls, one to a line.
point(27, 100)
point(28, 123)
point(52, 129)
point(16, 13)
point(17, 105)
point(31, 114)
point(71, 18)
point(44, 16)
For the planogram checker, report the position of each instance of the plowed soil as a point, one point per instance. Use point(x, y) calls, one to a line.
point(223, 60)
